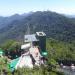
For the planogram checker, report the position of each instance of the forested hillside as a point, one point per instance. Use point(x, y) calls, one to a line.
point(60, 44)
point(54, 25)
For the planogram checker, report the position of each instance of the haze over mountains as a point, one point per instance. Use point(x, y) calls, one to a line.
point(4, 21)
point(53, 24)
point(70, 16)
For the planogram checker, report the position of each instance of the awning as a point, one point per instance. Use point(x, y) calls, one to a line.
point(44, 53)
point(13, 64)
point(1, 51)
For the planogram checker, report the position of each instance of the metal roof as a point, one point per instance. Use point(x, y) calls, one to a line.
point(40, 33)
point(13, 64)
point(30, 38)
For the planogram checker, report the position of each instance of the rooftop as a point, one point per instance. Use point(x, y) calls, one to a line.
point(30, 38)
point(40, 33)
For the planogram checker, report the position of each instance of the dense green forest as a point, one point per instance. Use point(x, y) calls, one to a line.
point(55, 25)
point(61, 50)
point(57, 50)
point(49, 69)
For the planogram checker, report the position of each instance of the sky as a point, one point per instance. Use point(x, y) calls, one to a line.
point(10, 7)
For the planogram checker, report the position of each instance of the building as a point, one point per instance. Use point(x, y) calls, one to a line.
point(38, 39)
point(30, 38)
point(42, 42)
point(34, 49)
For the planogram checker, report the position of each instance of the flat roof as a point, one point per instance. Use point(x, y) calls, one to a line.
point(40, 34)
point(30, 38)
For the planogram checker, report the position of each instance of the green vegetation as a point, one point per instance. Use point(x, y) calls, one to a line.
point(50, 69)
point(10, 45)
point(60, 43)
point(35, 71)
point(57, 50)
point(60, 50)
point(55, 25)
point(43, 70)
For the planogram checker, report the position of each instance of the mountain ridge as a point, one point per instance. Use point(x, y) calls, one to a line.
point(53, 24)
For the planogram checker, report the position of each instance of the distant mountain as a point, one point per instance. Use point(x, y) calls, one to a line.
point(54, 25)
point(4, 21)
point(70, 16)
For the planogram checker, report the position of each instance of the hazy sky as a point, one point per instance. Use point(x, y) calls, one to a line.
point(9, 7)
